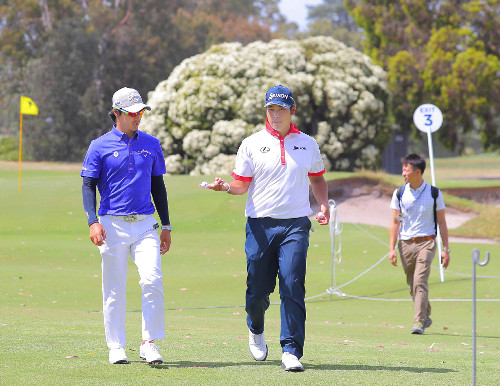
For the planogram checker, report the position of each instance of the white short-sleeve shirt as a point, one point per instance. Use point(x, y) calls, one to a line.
point(418, 211)
point(279, 170)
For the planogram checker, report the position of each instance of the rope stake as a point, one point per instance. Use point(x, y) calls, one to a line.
point(475, 260)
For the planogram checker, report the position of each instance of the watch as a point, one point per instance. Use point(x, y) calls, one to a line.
point(447, 250)
point(167, 227)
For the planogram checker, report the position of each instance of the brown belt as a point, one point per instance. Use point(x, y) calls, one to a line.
point(422, 238)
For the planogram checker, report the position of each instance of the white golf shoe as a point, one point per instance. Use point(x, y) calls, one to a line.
point(258, 347)
point(117, 356)
point(289, 362)
point(150, 352)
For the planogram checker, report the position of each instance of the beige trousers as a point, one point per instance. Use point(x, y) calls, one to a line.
point(416, 258)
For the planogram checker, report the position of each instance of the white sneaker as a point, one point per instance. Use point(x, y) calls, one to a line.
point(258, 346)
point(117, 356)
point(150, 353)
point(289, 362)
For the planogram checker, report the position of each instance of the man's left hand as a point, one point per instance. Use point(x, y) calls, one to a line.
point(323, 216)
point(165, 241)
point(445, 259)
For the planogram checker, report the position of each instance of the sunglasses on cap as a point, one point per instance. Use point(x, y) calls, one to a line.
point(140, 113)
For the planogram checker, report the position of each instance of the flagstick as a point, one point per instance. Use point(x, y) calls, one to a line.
point(20, 150)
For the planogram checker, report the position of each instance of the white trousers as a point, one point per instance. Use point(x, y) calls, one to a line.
point(140, 241)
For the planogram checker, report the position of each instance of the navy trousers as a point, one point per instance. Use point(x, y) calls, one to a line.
point(276, 247)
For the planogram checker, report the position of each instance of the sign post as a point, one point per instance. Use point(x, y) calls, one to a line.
point(428, 119)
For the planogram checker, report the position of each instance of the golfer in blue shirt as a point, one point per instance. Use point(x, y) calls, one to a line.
point(127, 167)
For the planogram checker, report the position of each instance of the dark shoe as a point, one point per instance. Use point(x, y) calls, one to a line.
point(418, 328)
point(427, 322)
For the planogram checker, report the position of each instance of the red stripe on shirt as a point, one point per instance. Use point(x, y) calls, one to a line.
point(270, 130)
point(316, 174)
point(240, 178)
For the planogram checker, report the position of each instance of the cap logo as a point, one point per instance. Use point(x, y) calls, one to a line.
point(273, 95)
point(134, 97)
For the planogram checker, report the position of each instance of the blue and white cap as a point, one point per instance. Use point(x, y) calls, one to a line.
point(129, 100)
point(279, 95)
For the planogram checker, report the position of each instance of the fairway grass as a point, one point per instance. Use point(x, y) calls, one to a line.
point(51, 328)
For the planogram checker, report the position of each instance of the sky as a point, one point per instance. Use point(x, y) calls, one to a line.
point(295, 10)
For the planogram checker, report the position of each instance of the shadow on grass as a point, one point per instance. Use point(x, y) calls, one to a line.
point(307, 366)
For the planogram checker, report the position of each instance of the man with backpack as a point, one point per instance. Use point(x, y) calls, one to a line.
point(417, 209)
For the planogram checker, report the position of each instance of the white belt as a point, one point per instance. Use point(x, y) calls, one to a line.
point(129, 218)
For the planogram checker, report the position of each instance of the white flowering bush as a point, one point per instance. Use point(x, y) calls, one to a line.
point(226, 136)
point(212, 101)
point(173, 164)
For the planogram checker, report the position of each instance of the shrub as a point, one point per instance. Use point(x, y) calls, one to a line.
point(213, 100)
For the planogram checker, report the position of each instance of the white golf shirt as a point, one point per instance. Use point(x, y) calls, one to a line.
point(418, 210)
point(279, 169)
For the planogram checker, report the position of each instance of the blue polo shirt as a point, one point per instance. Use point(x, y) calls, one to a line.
point(124, 167)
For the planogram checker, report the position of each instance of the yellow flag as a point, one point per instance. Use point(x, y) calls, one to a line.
point(28, 106)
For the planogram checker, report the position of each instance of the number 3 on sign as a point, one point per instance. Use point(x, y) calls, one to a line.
point(428, 118)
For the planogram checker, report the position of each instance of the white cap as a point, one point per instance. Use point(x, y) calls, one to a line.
point(129, 100)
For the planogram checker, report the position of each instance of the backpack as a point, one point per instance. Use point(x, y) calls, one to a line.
point(434, 194)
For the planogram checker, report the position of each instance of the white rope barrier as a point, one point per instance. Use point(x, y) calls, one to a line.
point(335, 230)
point(336, 290)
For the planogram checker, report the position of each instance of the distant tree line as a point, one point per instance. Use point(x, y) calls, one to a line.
point(69, 56)
point(441, 52)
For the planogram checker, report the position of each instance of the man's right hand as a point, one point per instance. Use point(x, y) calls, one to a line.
point(97, 234)
point(219, 185)
point(393, 257)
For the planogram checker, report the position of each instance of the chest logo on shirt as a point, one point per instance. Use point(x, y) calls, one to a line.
point(144, 153)
point(115, 154)
point(265, 149)
point(299, 148)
